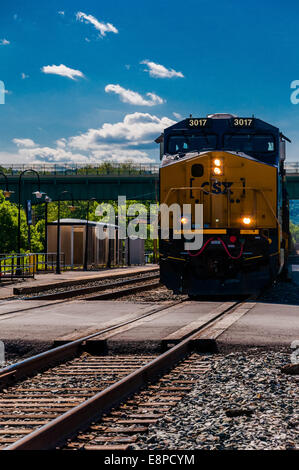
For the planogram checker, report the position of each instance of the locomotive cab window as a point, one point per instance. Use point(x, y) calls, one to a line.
point(249, 143)
point(191, 143)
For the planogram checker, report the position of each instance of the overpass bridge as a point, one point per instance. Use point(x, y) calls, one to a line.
point(103, 182)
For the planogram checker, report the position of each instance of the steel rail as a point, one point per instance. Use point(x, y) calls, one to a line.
point(68, 424)
point(75, 282)
point(67, 299)
point(71, 293)
point(44, 360)
point(124, 292)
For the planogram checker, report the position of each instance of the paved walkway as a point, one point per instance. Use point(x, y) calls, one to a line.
point(273, 323)
point(266, 325)
point(6, 290)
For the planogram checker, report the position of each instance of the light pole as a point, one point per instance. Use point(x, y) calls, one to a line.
point(6, 192)
point(38, 195)
point(85, 265)
point(47, 200)
point(58, 269)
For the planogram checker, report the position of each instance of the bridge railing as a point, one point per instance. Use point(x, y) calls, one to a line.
point(104, 168)
point(292, 167)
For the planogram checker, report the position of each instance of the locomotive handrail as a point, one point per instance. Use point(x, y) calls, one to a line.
point(206, 191)
point(237, 188)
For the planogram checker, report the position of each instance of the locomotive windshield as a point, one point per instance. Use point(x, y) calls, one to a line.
point(188, 143)
point(249, 143)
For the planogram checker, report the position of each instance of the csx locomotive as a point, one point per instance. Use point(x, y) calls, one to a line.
point(234, 167)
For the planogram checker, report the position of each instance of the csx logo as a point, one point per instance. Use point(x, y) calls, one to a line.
point(219, 187)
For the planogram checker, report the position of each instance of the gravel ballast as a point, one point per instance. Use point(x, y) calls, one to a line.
point(245, 403)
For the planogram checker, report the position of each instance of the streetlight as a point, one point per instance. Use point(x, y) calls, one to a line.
point(38, 195)
point(72, 207)
point(6, 192)
point(86, 235)
point(47, 201)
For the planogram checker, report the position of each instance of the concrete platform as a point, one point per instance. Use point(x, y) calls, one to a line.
point(70, 277)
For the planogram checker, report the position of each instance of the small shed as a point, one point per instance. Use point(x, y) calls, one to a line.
point(101, 252)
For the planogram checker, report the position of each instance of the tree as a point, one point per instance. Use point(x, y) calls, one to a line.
point(9, 229)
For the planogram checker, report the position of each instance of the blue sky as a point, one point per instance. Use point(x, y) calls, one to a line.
point(107, 96)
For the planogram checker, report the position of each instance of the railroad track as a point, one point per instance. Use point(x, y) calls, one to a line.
point(110, 290)
point(76, 390)
point(121, 428)
point(105, 291)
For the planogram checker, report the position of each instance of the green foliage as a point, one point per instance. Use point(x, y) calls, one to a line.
point(9, 222)
point(79, 210)
point(9, 229)
point(294, 229)
point(105, 168)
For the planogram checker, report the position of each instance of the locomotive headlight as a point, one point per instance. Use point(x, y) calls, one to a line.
point(217, 171)
point(184, 220)
point(247, 220)
point(217, 162)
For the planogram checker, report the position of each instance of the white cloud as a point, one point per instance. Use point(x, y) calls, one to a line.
point(4, 42)
point(61, 12)
point(32, 152)
point(121, 155)
point(28, 143)
point(136, 129)
point(62, 70)
point(132, 97)
point(51, 155)
point(61, 143)
point(129, 140)
point(177, 115)
point(159, 71)
point(9, 158)
point(24, 76)
point(103, 28)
